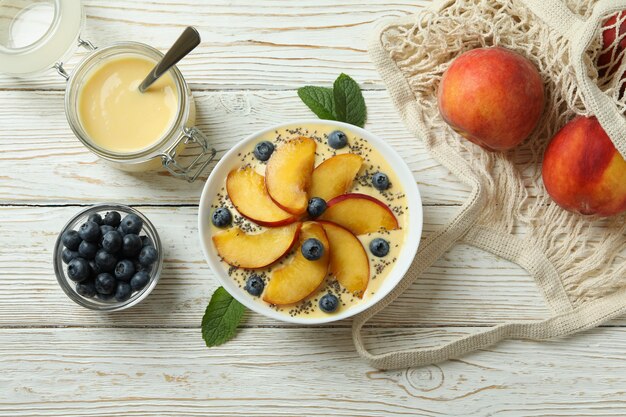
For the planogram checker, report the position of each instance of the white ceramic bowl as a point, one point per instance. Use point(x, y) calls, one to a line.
point(231, 161)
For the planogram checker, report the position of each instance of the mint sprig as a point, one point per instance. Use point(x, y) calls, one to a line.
point(349, 101)
point(320, 100)
point(221, 318)
point(344, 102)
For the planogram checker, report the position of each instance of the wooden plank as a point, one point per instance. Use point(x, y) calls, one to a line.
point(246, 44)
point(296, 372)
point(467, 286)
point(42, 162)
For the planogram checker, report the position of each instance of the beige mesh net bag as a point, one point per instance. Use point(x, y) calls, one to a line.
point(578, 263)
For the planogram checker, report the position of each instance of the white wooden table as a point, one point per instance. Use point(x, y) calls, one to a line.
point(59, 359)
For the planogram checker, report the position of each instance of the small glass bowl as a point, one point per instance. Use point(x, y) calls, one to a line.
point(69, 286)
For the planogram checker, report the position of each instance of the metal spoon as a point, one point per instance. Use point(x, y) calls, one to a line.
point(186, 42)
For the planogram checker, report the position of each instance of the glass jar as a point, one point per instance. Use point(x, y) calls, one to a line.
point(164, 151)
point(56, 39)
point(69, 287)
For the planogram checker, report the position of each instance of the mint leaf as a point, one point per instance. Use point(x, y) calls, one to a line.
point(221, 318)
point(319, 100)
point(349, 101)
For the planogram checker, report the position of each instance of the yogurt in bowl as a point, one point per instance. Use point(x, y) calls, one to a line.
point(284, 255)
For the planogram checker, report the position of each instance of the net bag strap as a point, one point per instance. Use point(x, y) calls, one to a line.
point(581, 33)
point(565, 320)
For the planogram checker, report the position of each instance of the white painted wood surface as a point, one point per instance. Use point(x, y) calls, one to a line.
point(59, 359)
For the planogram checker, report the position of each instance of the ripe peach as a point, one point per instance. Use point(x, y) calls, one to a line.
point(288, 174)
point(610, 32)
point(252, 251)
point(246, 189)
point(582, 170)
point(348, 259)
point(299, 278)
point(360, 214)
point(492, 97)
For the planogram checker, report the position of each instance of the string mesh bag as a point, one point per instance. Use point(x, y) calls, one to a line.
point(578, 262)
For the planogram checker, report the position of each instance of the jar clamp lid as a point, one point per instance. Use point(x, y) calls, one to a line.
point(38, 34)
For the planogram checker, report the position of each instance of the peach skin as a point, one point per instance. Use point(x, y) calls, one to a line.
point(492, 97)
point(583, 172)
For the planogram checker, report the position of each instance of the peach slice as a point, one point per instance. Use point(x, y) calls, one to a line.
point(348, 259)
point(246, 189)
point(237, 248)
point(288, 174)
point(301, 277)
point(335, 175)
point(360, 214)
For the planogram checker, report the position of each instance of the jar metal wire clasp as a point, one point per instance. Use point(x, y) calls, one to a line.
point(81, 43)
point(192, 171)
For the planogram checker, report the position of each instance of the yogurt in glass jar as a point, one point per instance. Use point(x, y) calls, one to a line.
point(134, 131)
point(107, 113)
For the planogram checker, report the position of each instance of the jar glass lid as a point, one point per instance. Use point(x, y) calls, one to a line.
point(35, 34)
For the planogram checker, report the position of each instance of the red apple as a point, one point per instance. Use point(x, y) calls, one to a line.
point(582, 170)
point(492, 97)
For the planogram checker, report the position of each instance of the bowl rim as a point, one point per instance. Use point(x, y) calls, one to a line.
point(70, 291)
point(405, 258)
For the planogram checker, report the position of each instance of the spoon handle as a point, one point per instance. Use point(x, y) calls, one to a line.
point(186, 42)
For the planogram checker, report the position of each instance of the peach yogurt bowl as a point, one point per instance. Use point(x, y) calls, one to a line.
point(311, 221)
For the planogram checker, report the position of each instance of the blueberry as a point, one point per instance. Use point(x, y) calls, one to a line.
point(105, 261)
point(140, 267)
point(329, 303)
point(148, 256)
point(67, 255)
point(89, 231)
point(380, 181)
point(86, 288)
point(312, 249)
point(71, 239)
point(94, 269)
point(78, 270)
point(124, 270)
point(123, 291)
point(337, 139)
point(316, 206)
point(88, 250)
point(112, 242)
point(379, 247)
point(131, 246)
point(132, 224)
point(106, 284)
point(104, 297)
point(105, 228)
point(263, 150)
point(112, 218)
point(146, 241)
point(255, 285)
point(221, 217)
point(120, 231)
point(96, 218)
point(139, 280)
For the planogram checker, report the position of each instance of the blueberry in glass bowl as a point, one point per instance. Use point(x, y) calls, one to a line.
point(105, 275)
